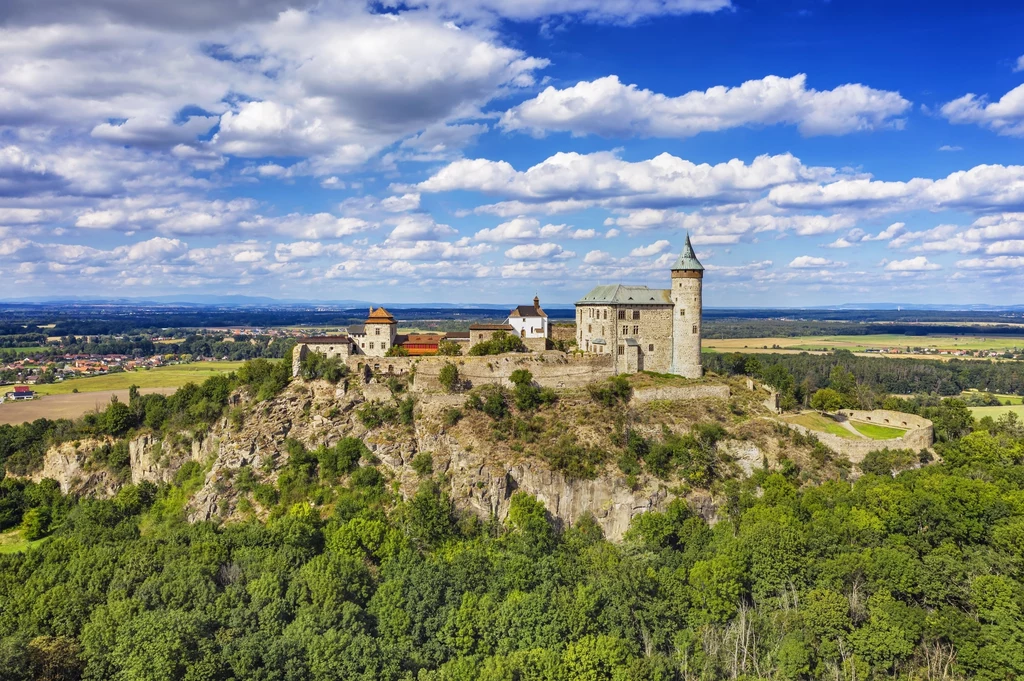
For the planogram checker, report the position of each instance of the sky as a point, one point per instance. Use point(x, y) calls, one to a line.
point(484, 151)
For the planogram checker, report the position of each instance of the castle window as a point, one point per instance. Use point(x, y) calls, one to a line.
point(363, 345)
point(650, 348)
point(606, 314)
point(383, 346)
point(590, 328)
point(695, 328)
point(636, 330)
point(622, 349)
point(377, 330)
point(682, 313)
point(622, 314)
point(636, 314)
point(371, 345)
point(625, 330)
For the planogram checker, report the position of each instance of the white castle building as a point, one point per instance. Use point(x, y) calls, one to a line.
point(647, 329)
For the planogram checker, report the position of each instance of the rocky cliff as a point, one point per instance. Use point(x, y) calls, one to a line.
point(480, 472)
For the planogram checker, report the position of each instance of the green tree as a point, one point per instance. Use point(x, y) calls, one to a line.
point(449, 348)
point(448, 377)
point(827, 400)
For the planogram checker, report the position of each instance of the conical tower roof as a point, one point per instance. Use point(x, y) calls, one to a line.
point(687, 260)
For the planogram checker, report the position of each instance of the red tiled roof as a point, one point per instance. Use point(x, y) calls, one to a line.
point(380, 316)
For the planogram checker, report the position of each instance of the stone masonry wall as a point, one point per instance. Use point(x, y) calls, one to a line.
point(919, 436)
point(686, 392)
point(549, 369)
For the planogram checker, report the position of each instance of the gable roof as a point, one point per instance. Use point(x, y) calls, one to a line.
point(527, 311)
point(687, 260)
point(619, 294)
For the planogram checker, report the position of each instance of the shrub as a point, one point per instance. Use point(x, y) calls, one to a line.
point(612, 392)
point(827, 400)
point(573, 459)
point(375, 414)
point(396, 351)
point(452, 416)
point(423, 464)
point(265, 378)
point(316, 365)
point(448, 377)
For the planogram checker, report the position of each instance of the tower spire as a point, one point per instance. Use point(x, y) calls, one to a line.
point(687, 260)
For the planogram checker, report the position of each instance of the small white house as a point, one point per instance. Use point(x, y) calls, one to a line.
point(529, 321)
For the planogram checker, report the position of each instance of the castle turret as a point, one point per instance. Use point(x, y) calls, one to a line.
point(687, 282)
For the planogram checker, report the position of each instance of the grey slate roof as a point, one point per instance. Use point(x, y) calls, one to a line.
point(687, 260)
point(619, 294)
point(357, 329)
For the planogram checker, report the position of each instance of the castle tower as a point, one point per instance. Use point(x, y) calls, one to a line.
point(687, 281)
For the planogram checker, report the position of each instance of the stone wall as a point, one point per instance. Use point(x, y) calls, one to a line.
point(550, 369)
point(918, 437)
point(685, 392)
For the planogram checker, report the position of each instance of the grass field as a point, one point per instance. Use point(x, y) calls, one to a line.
point(173, 376)
point(822, 424)
point(863, 343)
point(1005, 399)
point(28, 349)
point(12, 542)
point(877, 432)
point(996, 412)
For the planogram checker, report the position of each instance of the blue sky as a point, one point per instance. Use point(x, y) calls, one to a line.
point(484, 151)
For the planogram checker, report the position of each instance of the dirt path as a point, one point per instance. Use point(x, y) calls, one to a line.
point(849, 426)
point(68, 406)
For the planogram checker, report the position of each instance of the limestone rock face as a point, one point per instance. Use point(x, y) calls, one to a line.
point(479, 479)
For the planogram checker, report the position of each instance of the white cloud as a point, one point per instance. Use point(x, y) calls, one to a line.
point(657, 247)
point(841, 242)
point(332, 182)
point(1019, 66)
point(1001, 263)
point(309, 227)
point(419, 227)
point(597, 11)
point(544, 251)
point(604, 178)
point(400, 204)
point(518, 229)
point(889, 233)
point(982, 187)
point(918, 264)
point(608, 107)
point(804, 262)
point(597, 258)
point(1005, 117)
point(950, 147)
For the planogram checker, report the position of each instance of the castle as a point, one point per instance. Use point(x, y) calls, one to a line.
point(647, 329)
point(623, 328)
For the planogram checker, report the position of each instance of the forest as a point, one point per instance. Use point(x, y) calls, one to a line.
point(909, 571)
point(881, 375)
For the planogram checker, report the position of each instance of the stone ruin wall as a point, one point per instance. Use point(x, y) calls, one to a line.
point(918, 437)
point(686, 392)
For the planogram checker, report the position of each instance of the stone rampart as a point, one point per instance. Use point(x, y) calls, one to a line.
point(684, 392)
point(550, 369)
point(918, 437)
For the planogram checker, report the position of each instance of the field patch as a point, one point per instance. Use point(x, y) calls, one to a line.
point(67, 406)
point(173, 376)
point(820, 423)
point(13, 542)
point(877, 432)
point(875, 342)
point(996, 412)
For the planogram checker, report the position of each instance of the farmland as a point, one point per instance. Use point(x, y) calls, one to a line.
point(996, 412)
point(908, 346)
point(173, 376)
